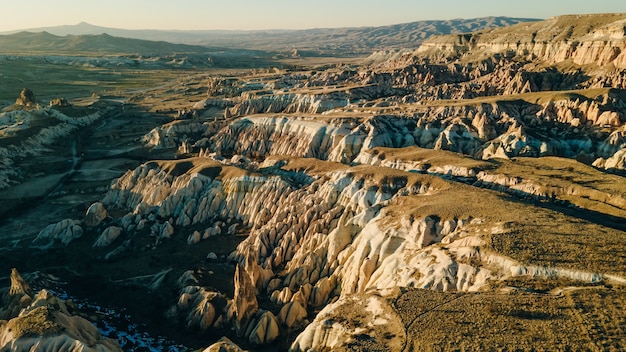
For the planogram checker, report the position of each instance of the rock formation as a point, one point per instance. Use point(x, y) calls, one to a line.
point(65, 231)
point(95, 214)
point(581, 38)
point(340, 206)
point(44, 322)
point(62, 102)
point(26, 99)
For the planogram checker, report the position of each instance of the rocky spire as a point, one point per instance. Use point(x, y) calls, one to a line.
point(26, 99)
point(244, 300)
point(18, 285)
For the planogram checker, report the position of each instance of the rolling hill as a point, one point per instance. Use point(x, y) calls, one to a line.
point(93, 43)
point(322, 40)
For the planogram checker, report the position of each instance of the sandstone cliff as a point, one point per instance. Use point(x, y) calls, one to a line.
point(583, 39)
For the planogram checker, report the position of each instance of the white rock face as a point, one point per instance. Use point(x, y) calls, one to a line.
point(108, 236)
point(495, 131)
point(173, 134)
point(616, 162)
point(65, 231)
point(290, 103)
point(308, 240)
point(336, 326)
point(388, 257)
point(603, 44)
point(195, 198)
point(265, 330)
point(421, 166)
point(257, 136)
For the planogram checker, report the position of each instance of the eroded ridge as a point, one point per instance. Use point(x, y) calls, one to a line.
point(465, 195)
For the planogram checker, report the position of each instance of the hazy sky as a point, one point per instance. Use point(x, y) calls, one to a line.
point(277, 14)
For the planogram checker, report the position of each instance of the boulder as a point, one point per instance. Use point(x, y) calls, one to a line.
point(108, 236)
point(95, 214)
point(64, 231)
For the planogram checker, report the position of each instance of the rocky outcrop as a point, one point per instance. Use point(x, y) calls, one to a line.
point(616, 162)
point(223, 345)
point(173, 134)
point(18, 297)
point(44, 322)
point(499, 129)
point(265, 330)
point(244, 301)
point(64, 231)
point(60, 102)
point(338, 328)
point(108, 236)
point(95, 214)
point(312, 247)
point(260, 136)
point(289, 103)
point(39, 140)
point(192, 193)
point(198, 307)
point(26, 99)
point(584, 39)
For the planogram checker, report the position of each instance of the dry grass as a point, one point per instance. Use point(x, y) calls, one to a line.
point(555, 29)
point(38, 322)
point(311, 166)
point(375, 175)
point(431, 157)
point(450, 200)
point(531, 98)
point(550, 177)
point(207, 167)
point(530, 234)
point(546, 238)
point(571, 181)
point(512, 322)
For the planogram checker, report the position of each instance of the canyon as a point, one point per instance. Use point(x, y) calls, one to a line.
point(465, 195)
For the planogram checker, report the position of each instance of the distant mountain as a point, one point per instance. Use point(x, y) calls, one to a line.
point(323, 40)
point(91, 43)
point(367, 39)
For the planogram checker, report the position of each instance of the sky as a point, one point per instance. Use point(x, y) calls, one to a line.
point(277, 14)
